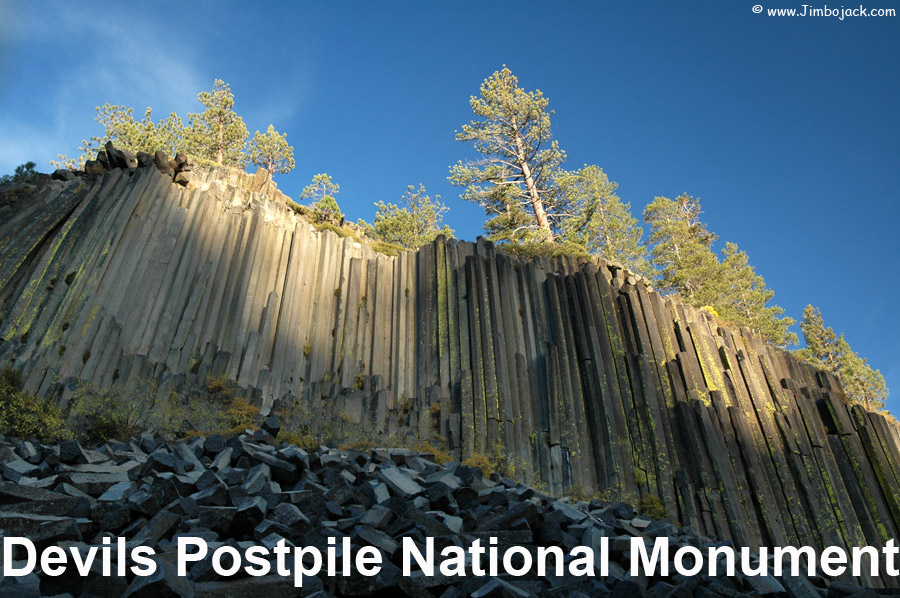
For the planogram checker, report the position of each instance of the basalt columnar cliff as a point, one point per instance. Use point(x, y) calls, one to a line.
point(575, 370)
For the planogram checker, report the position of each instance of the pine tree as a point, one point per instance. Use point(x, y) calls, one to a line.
point(828, 351)
point(681, 249)
point(140, 136)
point(861, 383)
point(682, 252)
point(742, 295)
point(272, 152)
point(821, 348)
point(514, 179)
point(217, 136)
point(24, 173)
point(417, 221)
point(321, 193)
point(597, 219)
point(87, 151)
point(120, 127)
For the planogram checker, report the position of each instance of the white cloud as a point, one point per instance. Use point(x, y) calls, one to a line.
point(62, 60)
point(133, 57)
point(90, 56)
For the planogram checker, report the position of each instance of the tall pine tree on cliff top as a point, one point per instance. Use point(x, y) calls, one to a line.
point(742, 295)
point(120, 127)
point(321, 192)
point(417, 221)
point(272, 152)
point(681, 248)
point(682, 253)
point(599, 221)
point(217, 136)
point(514, 179)
point(828, 351)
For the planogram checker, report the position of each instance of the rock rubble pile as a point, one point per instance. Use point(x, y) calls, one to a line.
point(251, 490)
point(111, 157)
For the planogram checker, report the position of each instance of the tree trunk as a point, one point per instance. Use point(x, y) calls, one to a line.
point(220, 150)
point(607, 239)
point(537, 204)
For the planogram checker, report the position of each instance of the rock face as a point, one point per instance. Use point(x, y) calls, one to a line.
point(394, 495)
point(572, 371)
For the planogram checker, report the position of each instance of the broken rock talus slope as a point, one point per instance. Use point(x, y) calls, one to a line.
point(250, 492)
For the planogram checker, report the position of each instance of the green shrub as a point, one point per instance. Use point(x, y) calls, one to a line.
point(302, 210)
point(440, 455)
point(125, 411)
point(219, 409)
point(481, 462)
point(326, 210)
point(547, 249)
point(579, 493)
point(24, 173)
point(117, 411)
point(710, 310)
point(307, 442)
point(391, 249)
point(340, 231)
point(652, 507)
point(357, 445)
point(26, 416)
point(240, 415)
point(405, 404)
point(311, 428)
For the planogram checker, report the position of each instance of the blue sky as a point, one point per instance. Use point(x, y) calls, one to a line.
point(787, 129)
